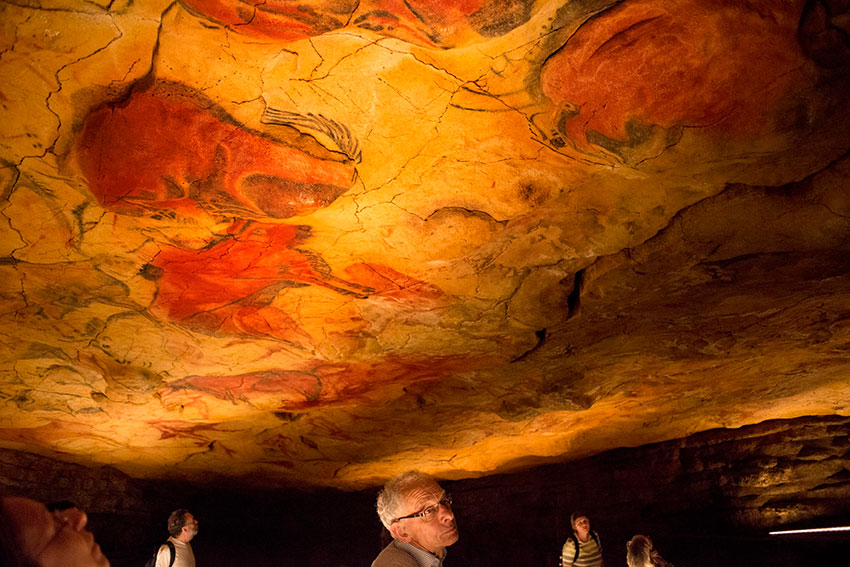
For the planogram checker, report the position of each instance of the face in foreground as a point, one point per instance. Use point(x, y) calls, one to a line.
point(582, 528)
point(53, 539)
point(432, 534)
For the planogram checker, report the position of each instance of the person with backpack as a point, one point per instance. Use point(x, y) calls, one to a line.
point(177, 552)
point(582, 548)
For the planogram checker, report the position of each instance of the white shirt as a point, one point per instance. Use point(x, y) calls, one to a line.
point(183, 555)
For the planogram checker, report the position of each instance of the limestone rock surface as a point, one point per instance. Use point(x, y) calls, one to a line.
point(322, 242)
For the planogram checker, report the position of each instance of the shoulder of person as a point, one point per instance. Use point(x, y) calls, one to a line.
point(394, 556)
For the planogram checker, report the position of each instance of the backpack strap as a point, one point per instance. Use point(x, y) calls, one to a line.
point(170, 545)
point(595, 537)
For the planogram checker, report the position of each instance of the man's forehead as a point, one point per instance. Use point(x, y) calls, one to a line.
point(423, 493)
point(33, 523)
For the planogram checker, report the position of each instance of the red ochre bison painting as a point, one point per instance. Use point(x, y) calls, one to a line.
point(429, 23)
point(228, 287)
point(671, 64)
point(319, 384)
point(167, 150)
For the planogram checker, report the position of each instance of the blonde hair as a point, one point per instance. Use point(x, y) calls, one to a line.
point(638, 551)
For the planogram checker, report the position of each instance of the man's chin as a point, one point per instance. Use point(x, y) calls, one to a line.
point(450, 537)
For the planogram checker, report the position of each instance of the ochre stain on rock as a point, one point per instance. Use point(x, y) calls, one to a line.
point(323, 242)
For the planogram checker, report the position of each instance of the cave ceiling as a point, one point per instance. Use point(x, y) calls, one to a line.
point(317, 243)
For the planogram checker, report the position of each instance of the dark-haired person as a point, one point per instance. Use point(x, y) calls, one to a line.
point(33, 536)
point(582, 548)
point(182, 526)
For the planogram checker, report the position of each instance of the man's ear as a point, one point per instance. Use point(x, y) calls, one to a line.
point(399, 532)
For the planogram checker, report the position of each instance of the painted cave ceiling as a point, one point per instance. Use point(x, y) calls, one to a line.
point(317, 243)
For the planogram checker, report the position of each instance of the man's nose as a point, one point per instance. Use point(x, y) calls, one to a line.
point(446, 513)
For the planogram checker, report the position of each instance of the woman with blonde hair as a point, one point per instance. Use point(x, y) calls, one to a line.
point(641, 553)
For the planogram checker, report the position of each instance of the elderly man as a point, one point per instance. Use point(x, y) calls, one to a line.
point(418, 514)
point(177, 551)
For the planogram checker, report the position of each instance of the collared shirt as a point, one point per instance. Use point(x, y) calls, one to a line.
point(399, 553)
point(424, 558)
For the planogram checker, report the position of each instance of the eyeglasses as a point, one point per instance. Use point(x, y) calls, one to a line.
point(61, 520)
point(430, 512)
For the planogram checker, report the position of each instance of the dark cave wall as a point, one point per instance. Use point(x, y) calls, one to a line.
point(727, 486)
point(124, 513)
point(237, 527)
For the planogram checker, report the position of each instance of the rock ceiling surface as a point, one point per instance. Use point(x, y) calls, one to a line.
point(317, 243)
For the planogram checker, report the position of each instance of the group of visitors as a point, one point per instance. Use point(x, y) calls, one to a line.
point(418, 514)
point(583, 549)
point(416, 511)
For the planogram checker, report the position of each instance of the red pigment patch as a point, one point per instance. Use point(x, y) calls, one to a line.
point(346, 381)
point(289, 385)
point(280, 20)
point(228, 286)
point(431, 23)
point(172, 429)
point(325, 384)
point(389, 283)
point(675, 63)
point(170, 149)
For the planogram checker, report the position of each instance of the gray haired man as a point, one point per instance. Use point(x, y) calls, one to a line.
point(418, 514)
point(177, 551)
